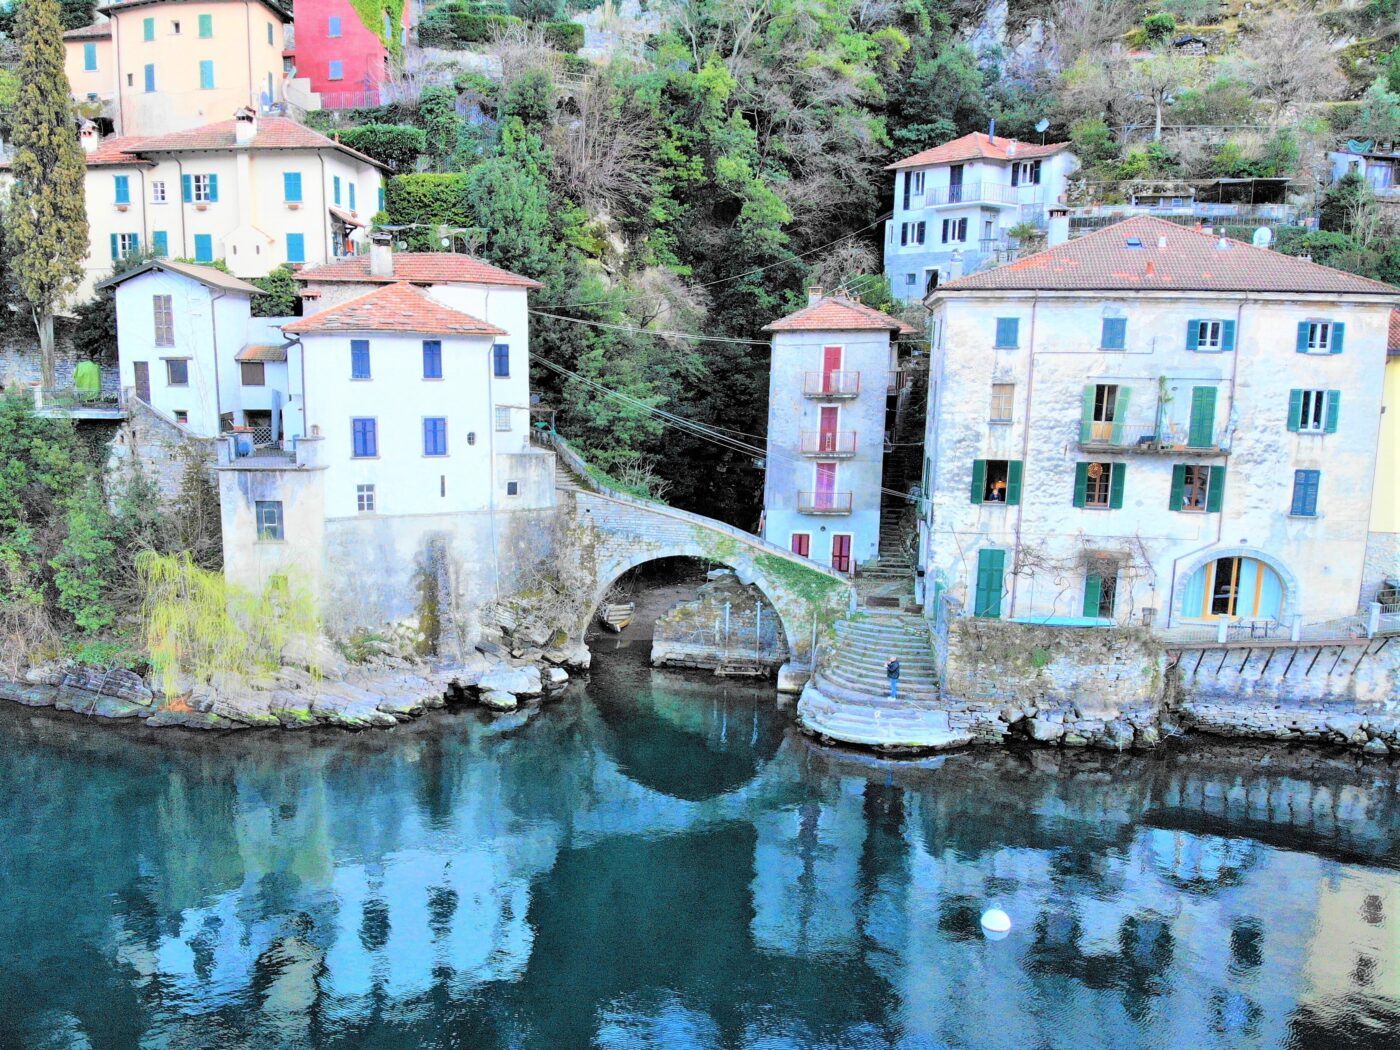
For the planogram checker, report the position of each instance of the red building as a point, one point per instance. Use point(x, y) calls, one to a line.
point(345, 59)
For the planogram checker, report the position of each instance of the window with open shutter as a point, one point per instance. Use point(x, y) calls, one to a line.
point(979, 479)
point(1202, 431)
point(1013, 482)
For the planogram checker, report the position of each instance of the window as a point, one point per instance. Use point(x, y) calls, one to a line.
point(351, 187)
point(269, 517)
point(335, 188)
point(1320, 337)
point(163, 312)
point(1105, 404)
point(206, 26)
point(1100, 588)
point(148, 29)
point(912, 232)
point(150, 76)
point(1025, 173)
point(203, 247)
point(1099, 486)
point(291, 187)
point(502, 417)
point(181, 416)
point(177, 371)
point(381, 198)
point(1115, 333)
point(512, 488)
point(364, 436)
point(500, 357)
point(252, 373)
point(911, 279)
point(206, 74)
point(364, 499)
point(359, 358)
point(1197, 489)
point(913, 187)
point(435, 436)
point(269, 34)
point(1210, 336)
point(954, 230)
point(1002, 396)
point(201, 189)
point(1314, 411)
point(333, 26)
point(432, 358)
point(90, 57)
point(802, 544)
point(1008, 332)
point(158, 192)
point(336, 70)
point(1305, 485)
point(996, 481)
point(124, 244)
point(296, 247)
point(160, 243)
point(174, 28)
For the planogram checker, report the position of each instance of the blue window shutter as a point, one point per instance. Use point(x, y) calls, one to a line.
point(135, 242)
point(123, 189)
point(333, 26)
point(89, 57)
point(352, 196)
point(150, 73)
point(115, 250)
point(291, 186)
point(1338, 330)
point(1227, 335)
point(160, 242)
point(501, 354)
point(1193, 334)
point(359, 359)
point(148, 28)
point(1295, 410)
point(381, 198)
point(203, 247)
point(1302, 337)
point(206, 25)
point(296, 247)
point(213, 188)
point(1007, 331)
point(335, 188)
point(206, 74)
point(1115, 333)
point(187, 187)
point(432, 359)
point(1334, 411)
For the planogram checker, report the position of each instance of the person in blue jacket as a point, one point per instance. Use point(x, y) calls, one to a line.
point(892, 673)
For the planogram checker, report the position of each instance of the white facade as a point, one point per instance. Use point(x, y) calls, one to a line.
point(1029, 395)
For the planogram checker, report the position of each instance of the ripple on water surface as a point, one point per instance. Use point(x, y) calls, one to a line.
point(659, 860)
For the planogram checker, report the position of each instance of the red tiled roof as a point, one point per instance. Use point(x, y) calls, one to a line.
point(1165, 257)
point(122, 150)
point(978, 146)
point(273, 133)
point(1392, 345)
point(262, 352)
point(393, 308)
point(122, 5)
point(419, 268)
point(96, 31)
point(837, 314)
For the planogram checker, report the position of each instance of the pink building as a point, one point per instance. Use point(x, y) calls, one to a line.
point(345, 59)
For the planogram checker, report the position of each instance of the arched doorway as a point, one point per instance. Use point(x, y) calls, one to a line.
point(1235, 586)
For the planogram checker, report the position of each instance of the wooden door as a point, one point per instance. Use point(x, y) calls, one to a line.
point(991, 565)
point(841, 552)
point(1202, 431)
point(830, 417)
point(143, 380)
point(831, 364)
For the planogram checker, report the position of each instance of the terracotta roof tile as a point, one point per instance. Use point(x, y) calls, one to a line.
point(978, 146)
point(96, 31)
point(393, 308)
point(837, 314)
point(211, 276)
point(122, 5)
point(273, 133)
point(419, 268)
point(1150, 254)
point(264, 352)
point(1392, 345)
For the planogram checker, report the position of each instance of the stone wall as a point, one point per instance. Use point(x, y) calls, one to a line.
point(19, 357)
point(159, 446)
point(1382, 563)
point(698, 633)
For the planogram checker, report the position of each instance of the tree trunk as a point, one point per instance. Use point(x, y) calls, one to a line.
point(1157, 126)
point(43, 324)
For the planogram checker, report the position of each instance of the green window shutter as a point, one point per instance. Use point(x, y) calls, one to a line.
point(979, 479)
point(991, 566)
point(1302, 337)
point(206, 25)
point(1093, 592)
point(1117, 473)
point(1013, 482)
point(1081, 484)
point(1120, 413)
point(1086, 416)
point(1193, 334)
point(1338, 331)
point(1215, 490)
point(1334, 409)
point(187, 187)
point(1178, 486)
point(115, 250)
point(1295, 410)
point(1202, 417)
point(148, 28)
point(1227, 335)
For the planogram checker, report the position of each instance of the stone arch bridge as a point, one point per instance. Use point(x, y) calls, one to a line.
point(623, 532)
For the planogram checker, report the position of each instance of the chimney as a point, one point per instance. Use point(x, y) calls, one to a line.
point(245, 126)
point(88, 136)
point(1058, 231)
point(814, 295)
point(955, 267)
point(381, 255)
point(991, 131)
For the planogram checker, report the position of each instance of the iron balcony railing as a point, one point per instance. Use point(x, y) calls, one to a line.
point(824, 502)
point(831, 384)
point(1147, 437)
point(828, 442)
point(981, 193)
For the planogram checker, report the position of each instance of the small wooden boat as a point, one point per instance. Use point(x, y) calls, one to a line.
point(617, 615)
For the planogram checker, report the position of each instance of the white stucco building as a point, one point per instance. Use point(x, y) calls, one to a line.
point(954, 203)
point(830, 376)
point(1152, 422)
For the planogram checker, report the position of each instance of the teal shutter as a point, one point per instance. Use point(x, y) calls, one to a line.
point(979, 479)
point(1215, 490)
point(148, 28)
point(1120, 413)
point(1081, 484)
point(1193, 334)
point(206, 74)
point(1227, 335)
point(1178, 487)
point(187, 187)
point(1115, 333)
point(291, 186)
point(213, 188)
point(206, 25)
point(1116, 476)
point(1295, 410)
point(991, 567)
point(1334, 408)
point(123, 189)
point(115, 250)
point(1086, 416)
point(1093, 593)
point(1202, 417)
point(1007, 331)
point(160, 243)
point(1302, 337)
point(1013, 482)
point(1338, 331)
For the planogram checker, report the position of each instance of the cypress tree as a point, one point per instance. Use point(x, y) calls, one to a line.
point(48, 220)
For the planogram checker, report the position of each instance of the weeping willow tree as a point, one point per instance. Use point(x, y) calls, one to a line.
point(198, 625)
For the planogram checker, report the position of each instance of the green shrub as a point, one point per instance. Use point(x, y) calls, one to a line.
point(564, 36)
point(396, 146)
point(458, 22)
point(283, 298)
point(430, 199)
point(1159, 27)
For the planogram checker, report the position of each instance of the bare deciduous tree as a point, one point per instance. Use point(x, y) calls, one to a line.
point(603, 148)
point(1289, 62)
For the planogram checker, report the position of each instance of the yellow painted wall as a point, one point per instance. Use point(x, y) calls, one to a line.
point(84, 82)
point(1385, 511)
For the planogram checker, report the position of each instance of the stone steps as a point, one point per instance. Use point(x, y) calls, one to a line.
point(859, 694)
point(923, 728)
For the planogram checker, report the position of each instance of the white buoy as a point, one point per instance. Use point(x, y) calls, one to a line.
point(996, 924)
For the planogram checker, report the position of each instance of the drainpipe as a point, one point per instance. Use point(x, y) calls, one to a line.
point(326, 254)
point(248, 38)
point(121, 96)
point(180, 190)
point(214, 334)
point(1025, 453)
point(491, 481)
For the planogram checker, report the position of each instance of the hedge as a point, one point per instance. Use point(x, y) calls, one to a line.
point(564, 36)
point(430, 199)
point(451, 27)
point(395, 145)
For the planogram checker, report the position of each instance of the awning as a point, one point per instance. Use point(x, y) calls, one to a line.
point(263, 352)
point(347, 217)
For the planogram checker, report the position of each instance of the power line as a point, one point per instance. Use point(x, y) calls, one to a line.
point(648, 331)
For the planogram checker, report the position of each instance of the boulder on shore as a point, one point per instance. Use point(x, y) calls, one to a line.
point(522, 681)
point(497, 700)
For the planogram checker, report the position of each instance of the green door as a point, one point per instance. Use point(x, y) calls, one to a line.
point(1202, 417)
point(991, 565)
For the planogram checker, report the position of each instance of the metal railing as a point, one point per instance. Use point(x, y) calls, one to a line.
point(979, 192)
point(831, 384)
point(828, 442)
point(350, 99)
point(1144, 437)
point(824, 502)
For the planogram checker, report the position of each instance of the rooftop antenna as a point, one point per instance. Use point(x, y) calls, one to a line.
point(1041, 126)
point(992, 130)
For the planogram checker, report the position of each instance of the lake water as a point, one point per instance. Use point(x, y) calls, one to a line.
point(658, 860)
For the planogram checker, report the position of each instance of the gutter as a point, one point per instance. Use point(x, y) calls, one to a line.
point(1025, 454)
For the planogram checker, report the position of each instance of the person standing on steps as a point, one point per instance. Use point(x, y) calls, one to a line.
point(892, 673)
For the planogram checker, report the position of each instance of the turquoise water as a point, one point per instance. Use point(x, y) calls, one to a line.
point(658, 860)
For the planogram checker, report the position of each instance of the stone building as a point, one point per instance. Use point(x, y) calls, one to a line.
point(1383, 551)
point(833, 367)
point(1153, 424)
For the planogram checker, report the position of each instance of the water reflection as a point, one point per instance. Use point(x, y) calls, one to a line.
point(658, 860)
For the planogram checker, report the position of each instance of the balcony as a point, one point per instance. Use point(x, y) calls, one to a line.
point(1166, 438)
point(831, 384)
point(823, 503)
point(835, 444)
point(997, 193)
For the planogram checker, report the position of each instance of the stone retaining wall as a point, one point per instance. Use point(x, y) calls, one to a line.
point(697, 633)
point(160, 446)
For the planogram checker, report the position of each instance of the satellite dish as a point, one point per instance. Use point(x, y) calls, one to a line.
point(1263, 237)
point(1042, 124)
